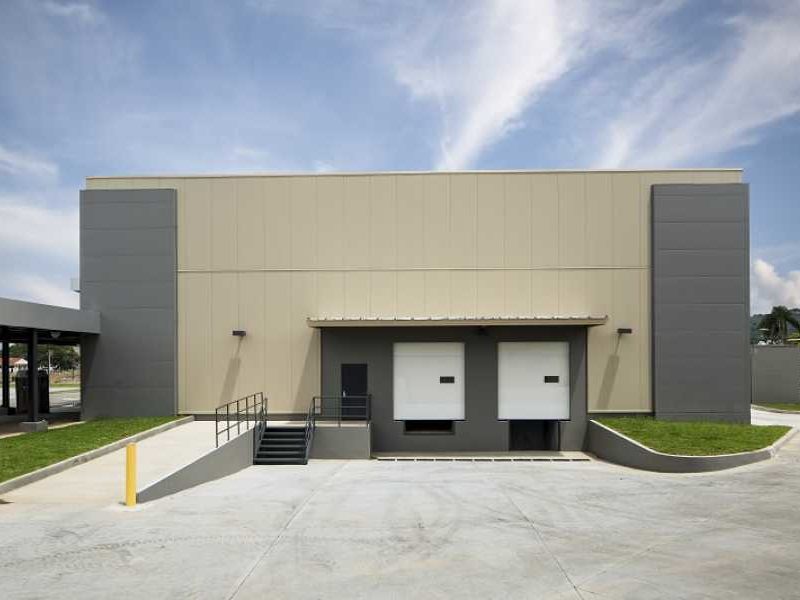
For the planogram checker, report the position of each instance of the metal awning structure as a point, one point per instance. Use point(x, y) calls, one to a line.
point(33, 324)
point(453, 321)
point(54, 324)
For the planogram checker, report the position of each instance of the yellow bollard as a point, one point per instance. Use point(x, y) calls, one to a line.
point(130, 475)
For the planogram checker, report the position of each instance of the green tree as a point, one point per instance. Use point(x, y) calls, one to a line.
point(63, 358)
point(777, 324)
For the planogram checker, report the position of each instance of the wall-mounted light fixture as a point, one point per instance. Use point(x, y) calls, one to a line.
point(239, 332)
point(623, 330)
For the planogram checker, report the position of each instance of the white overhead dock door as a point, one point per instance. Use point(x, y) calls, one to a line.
point(533, 380)
point(429, 381)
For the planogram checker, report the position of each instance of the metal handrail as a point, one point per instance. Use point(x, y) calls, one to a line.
point(231, 414)
point(311, 426)
point(329, 408)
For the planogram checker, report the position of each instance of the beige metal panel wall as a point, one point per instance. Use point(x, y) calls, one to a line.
point(277, 222)
point(303, 225)
point(629, 236)
point(436, 222)
point(517, 293)
point(491, 221)
point(410, 221)
point(517, 227)
point(278, 341)
point(600, 230)
point(194, 225)
point(464, 293)
point(251, 292)
point(250, 226)
point(330, 211)
point(304, 346)
point(463, 220)
point(571, 219)
point(355, 228)
point(382, 230)
point(544, 220)
point(264, 253)
point(383, 293)
point(194, 330)
point(410, 294)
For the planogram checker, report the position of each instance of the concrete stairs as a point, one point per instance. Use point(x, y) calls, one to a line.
point(282, 446)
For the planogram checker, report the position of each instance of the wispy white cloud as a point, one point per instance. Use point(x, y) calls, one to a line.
point(39, 245)
point(21, 164)
point(81, 11)
point(488, 66)
point(35, 288)
point(696, 106)
point(26, 228)
point(769, 288)
point(485, 64)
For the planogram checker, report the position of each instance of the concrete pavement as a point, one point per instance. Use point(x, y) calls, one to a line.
point(765, 417)
point(373, 529)
point(101, 481)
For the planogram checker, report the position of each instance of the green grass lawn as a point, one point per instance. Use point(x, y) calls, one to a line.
point(696, 438)
point(25, 453)
point(781, 406)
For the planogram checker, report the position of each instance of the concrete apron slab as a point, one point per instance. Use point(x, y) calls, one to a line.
point(102, 480)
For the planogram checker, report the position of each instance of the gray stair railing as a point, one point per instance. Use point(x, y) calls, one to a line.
point(311, 425)
point(238, 415)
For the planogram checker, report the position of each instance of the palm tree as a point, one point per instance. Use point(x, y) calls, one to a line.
point(777, 324)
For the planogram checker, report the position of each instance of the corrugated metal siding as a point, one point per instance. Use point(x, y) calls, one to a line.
point(405, 245)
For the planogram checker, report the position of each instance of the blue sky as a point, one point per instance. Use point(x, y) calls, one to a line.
point(89, 88)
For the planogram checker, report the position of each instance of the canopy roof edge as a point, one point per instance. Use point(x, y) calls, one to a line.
point(489, 321)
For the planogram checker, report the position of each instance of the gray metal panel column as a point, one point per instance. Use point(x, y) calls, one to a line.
point(129, 274)
point(700, 301)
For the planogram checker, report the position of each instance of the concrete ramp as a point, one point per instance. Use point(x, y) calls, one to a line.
point(231, 457)
point(102, 480)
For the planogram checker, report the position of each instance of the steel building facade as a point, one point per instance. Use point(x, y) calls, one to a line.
point(633, 282)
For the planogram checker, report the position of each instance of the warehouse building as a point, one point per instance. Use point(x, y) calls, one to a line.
point(477, 311)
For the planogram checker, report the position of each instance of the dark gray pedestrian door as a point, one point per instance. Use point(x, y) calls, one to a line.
point(354, 390)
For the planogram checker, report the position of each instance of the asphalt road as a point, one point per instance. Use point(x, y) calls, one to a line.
point(61, 399)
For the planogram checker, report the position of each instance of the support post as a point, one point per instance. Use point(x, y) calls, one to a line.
point(6, 368)
point(33, 377)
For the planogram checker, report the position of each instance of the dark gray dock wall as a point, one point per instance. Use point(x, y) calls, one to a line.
point(480, 431)
point(701, 301)
point(129, 275)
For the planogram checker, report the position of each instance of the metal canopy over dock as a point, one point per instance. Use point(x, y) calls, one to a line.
point(539, 320)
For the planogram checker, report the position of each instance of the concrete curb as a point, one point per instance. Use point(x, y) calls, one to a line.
point(67, 463)
point(610, 445)
point(776, 410)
